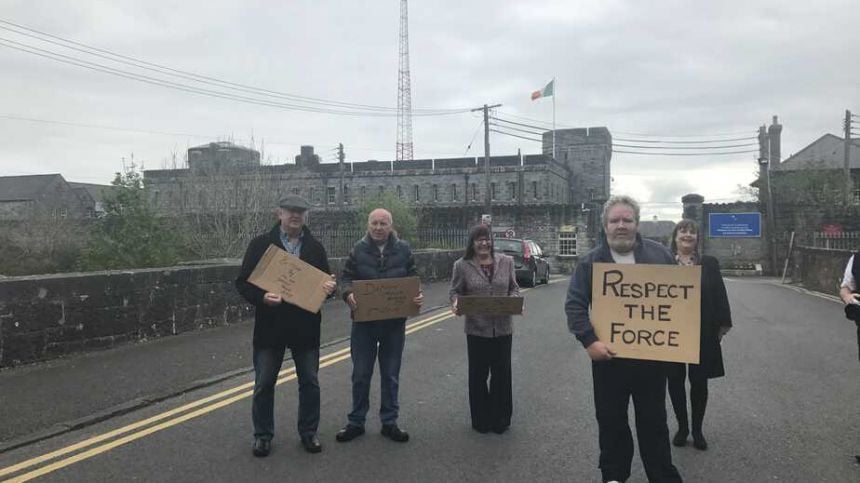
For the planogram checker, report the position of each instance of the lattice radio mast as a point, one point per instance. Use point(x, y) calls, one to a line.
point(404, 91)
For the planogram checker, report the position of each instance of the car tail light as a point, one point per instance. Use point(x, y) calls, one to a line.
point(527, 252)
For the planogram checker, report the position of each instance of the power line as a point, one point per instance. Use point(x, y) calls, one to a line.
point(685, 154)
point(516, 129)
point(477, 129)
point(681, 142)
point(737, 133)
point(516, 136)
point(142, 64)
point(182, 87)
point(684, 147)
point(167, 133)
point(519, 124)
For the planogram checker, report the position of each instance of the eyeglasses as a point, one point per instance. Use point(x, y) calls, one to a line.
point(483, 241)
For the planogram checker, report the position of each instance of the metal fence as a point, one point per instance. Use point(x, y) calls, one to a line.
point(848, 240)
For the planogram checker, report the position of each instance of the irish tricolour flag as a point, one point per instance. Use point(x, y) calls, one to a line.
point(545, 92)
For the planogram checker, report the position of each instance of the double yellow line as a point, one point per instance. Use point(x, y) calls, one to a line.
point(170, 418)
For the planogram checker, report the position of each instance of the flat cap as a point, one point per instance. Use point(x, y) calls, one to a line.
point(295, 203)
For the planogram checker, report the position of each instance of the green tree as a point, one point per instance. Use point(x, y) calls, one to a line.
point(405, 219)
point(129, 234)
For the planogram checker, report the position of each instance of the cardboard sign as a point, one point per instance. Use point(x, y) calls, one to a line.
point(296, 281)
point(648, 312)
point(385, 298)
point(489, 305)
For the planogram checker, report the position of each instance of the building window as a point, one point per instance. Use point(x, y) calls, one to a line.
point(534, 190)
point(436, 192)
point(567, 243)
point(474, 192)
point(856, 190)
point(363, 193)
point(512, 190)
point(399, 192)
point(331, 195)
point(381, 190)
point(417, 190)
point(296, 190)
point(454, 192)
point(312, 195)
point(492, 191)
point(346, 194)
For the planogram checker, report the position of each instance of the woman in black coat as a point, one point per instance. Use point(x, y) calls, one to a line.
point(716, 319)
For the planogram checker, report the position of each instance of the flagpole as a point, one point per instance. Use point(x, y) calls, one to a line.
point(554, 90)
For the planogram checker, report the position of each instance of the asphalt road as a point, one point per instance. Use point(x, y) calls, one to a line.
point(787, 411)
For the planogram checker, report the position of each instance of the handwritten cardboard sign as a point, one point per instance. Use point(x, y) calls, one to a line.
point(489, 305)
point(296, 281)
point(648, 312)
point(385, 298)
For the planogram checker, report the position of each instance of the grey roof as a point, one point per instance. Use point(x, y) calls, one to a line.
point(826, 152)
point(96, 191)
point(18, 188)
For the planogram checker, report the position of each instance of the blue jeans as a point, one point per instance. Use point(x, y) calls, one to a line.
point(385, 338)
point(267, 364)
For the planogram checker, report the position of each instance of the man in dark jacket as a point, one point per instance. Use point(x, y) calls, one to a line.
point(380, 254)
point(849, 292)
point(279, 324)
point(616, 380)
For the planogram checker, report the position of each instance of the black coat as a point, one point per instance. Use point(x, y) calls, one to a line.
point(365, 262)
point(285, 323)
point(715, 312)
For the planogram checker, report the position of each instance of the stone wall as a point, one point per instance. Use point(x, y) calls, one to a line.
point(44, 317)
point(819, 269)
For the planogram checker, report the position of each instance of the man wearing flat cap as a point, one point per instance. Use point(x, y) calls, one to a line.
point(279, 325)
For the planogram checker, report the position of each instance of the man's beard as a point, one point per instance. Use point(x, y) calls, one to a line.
point(621, 245)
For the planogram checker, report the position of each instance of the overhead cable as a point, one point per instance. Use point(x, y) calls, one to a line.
point(516, 136)
point(684, 147)
point(684, 154)
point(516, 129)
point(187, 88)
point(142, 64)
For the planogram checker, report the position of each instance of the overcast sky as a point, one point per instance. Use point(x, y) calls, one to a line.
point(657, 70)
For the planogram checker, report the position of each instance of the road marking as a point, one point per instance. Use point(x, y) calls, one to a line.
point(285, 375)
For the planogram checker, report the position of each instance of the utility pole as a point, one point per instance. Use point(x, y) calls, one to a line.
point(487, 197)
point(340, 158)
point(849, 185)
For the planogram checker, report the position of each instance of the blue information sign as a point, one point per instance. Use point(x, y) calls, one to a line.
point(734, 225)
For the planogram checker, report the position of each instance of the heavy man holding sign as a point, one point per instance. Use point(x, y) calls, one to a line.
point(278, 325)
point(616, 380)
point(380, 254)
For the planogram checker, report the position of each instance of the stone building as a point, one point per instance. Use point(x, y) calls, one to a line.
point(47, 196)
point(532, 195)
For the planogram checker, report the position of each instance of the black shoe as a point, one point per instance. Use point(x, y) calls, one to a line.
point(392, 432)
point(680, 438)
point(349, 433)
point(699, 442)
point(311, 443)
point(262, 447)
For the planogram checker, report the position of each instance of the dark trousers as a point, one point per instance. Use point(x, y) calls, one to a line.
point(267, 365)
point(386, 339)
point(615, 381)
point(698, 398)
point(492, 406)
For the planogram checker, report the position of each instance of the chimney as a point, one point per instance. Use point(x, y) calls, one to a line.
point(774, 133)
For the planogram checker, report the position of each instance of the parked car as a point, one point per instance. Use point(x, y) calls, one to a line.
point(529, 262)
